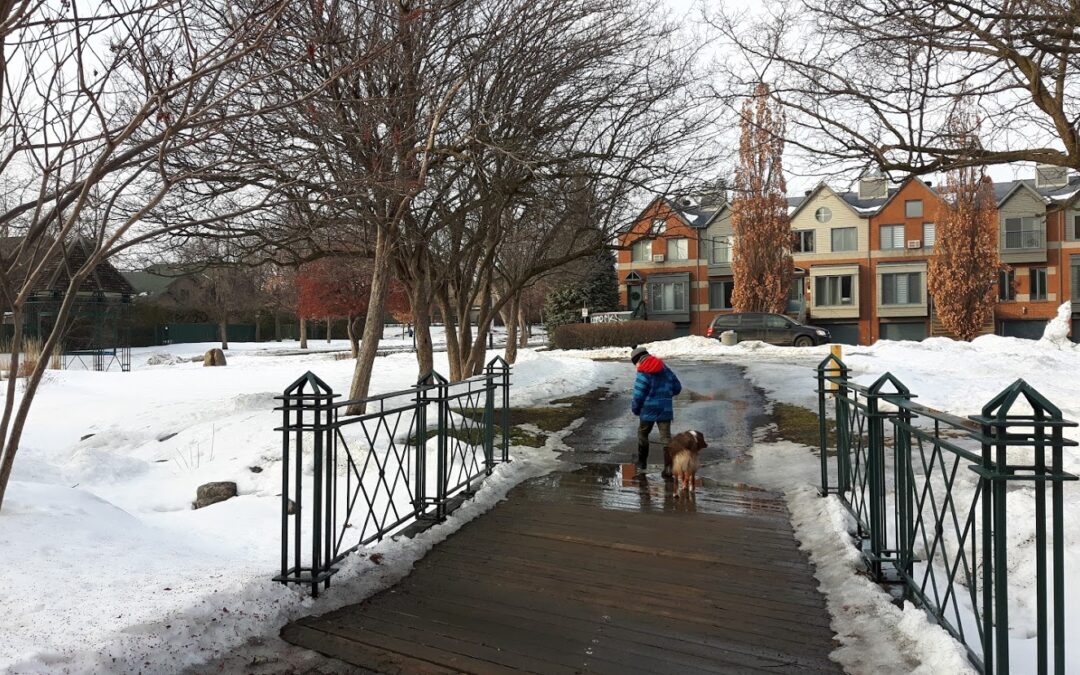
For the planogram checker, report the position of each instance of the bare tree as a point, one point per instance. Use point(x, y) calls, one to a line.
point(876, 80)
point(95, 97)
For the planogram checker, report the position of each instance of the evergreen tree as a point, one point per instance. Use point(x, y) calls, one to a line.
point(601, 284)
point(563, 306)
point(762, 263)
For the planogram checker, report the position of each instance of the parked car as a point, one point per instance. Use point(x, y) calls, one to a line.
point(775, 329)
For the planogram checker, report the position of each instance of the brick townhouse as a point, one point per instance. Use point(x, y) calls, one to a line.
point(860, 258)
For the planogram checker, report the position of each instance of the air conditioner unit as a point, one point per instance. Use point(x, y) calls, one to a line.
point(658, 257)
point(914, 243)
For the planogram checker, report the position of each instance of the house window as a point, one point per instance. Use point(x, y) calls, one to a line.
point(844, 239)
point(678, 249)
point(833, 291)
point(641, 251)
point(659, 226)
point(804, 241)
point(1006, 285)
point(929, 235)
point(913, 208)
point(1022, 233)
point(667, 296)
point(1038, 283)
point(892, 237)
point(1074, 277)
point(720, 294)
point(1076, 227)
point(823, 214)
point(719, 251)
point(902, 288)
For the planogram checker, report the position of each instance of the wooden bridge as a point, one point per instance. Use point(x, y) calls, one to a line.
point(595, 571)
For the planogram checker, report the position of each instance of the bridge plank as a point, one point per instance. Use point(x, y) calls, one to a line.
point(573, 574)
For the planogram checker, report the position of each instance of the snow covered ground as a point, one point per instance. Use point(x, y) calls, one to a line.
point(108, 567)
point(953, 376)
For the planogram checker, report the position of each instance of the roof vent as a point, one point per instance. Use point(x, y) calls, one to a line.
point(1049, 176)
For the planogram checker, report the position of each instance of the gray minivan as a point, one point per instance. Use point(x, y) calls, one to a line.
point(775, 329)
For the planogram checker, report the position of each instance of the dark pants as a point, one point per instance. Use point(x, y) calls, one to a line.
point(644, 429)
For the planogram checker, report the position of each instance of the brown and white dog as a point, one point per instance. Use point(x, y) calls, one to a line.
point(681, 454)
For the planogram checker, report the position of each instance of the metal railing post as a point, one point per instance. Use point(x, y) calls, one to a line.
point(823, 436)
point(904, 497)
point(489, 419)
point(505, 412)
point(420, 436)
point(875, 454)
point(987, 551)
point(442, 465)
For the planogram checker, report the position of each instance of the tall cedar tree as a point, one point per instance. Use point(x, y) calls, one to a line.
point(963, 273)
point(762, 264)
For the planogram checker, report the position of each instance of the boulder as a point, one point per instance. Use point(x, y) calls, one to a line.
point(214, 357)
point(212, 493)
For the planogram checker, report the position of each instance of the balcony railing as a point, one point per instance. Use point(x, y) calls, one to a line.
point(1025, 240)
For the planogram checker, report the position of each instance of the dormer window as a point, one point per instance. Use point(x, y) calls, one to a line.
point(823, 214)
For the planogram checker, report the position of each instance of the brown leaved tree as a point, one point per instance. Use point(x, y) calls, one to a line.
point(762, 265)
point(962, 274)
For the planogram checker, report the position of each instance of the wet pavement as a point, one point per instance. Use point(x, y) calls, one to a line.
point(716, 400)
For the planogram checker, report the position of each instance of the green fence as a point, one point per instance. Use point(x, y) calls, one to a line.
point(929, 492)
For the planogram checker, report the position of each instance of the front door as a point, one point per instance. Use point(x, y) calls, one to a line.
point(634, 297)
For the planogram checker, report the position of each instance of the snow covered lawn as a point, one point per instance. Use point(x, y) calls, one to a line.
point(876, 636)
point(108, 568)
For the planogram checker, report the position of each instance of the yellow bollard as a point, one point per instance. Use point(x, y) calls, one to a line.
point(834, 371)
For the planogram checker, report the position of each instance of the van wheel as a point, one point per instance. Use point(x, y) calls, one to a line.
point(804, 341)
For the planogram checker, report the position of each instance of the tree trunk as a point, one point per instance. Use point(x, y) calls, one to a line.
point(277, 326)
point(354, 336)
point(373, 325)
point(420, 299)
point(303, 333)
point(223, 329)
point(453, 347)
point(258, 328)
point(329, 329)
point(510, 319)
point(484, 319)
point(524, 328)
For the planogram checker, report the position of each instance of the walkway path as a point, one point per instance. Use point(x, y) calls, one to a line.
point(596, 571)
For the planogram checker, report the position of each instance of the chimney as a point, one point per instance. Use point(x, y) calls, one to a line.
point(806, 193)
point(929, 183)
point(873, 185)
point(1050, 176)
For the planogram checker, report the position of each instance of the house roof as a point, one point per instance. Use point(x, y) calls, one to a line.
point(148, 282)
point(104, 278)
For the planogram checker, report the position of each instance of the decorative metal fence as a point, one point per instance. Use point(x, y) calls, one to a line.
point(349, 480)
point(929, 492)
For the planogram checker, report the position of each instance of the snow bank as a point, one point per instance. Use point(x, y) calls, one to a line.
point(98, 517)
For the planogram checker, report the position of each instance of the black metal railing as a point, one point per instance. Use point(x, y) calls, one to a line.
point(348, 481)
point(929, 494)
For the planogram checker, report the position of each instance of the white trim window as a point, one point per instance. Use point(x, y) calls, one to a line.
point(929, 235)
point(836, 291)
point(892, 237)
point(1038, 283)
point(720, 251)
point(720, 294)
point(1076, 227)
point(667, 296)
point(845, 239)
point(641, 251)
point(1023, 233)
point(901, 288)
point(678, 248)
point(823, 214)
point(1074, 277)
point(804, 241)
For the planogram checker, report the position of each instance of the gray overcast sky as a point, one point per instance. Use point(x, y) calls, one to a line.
point(690, 11)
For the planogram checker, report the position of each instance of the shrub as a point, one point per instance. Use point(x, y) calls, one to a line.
point(28, 358)
point(614, 334)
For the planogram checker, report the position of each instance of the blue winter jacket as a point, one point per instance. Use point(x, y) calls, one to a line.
point(654, 388)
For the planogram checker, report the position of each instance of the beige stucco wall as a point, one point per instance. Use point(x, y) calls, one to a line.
point(1022, 204)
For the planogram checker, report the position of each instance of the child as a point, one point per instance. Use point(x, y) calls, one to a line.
point(654, 388)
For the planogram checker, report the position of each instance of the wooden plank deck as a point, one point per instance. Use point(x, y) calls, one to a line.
point(591, 572)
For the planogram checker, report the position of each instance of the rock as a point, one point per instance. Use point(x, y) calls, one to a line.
point(83, 438)
point(160, 359)
point(212, 493)
point(214, 357)
point(165, 436)
point(255, 469)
